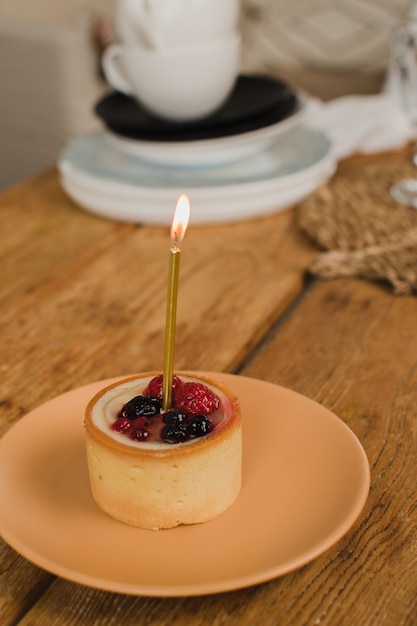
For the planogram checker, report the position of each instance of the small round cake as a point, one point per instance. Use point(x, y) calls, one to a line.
point(157, 469)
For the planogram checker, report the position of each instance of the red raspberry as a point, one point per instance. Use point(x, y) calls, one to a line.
point(196, 398)
point(154, 388)
point(139, 434)
point(121, 425)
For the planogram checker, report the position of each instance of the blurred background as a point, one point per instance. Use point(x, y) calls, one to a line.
point(50, 55)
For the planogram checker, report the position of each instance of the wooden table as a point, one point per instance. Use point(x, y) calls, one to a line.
point(82, 299)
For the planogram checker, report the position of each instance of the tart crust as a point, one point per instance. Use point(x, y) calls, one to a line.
point(184, 483)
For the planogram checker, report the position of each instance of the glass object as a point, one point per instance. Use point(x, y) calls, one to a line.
point(404, 68)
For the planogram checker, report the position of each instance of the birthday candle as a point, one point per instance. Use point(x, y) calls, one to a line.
point(178, 228)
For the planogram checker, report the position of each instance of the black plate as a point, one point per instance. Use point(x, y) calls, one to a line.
point(256, 102)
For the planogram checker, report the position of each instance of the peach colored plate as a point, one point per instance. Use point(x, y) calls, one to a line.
point(305, 481)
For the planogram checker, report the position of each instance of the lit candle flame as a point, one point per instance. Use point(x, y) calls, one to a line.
point(180, 220)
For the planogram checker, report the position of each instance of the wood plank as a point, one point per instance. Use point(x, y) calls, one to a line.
point(88, 302)
point(97, 309)
point(108, 317)
point(45, 238)
point(353, 347)
point(371, 383)
point(21, 584)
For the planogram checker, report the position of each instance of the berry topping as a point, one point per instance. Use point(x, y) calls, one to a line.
point(141, 405)
point(173, 434)
point(139, 434)
point(196, 398)
point(121, 425)
point(155, 386)
point(174, 417)
point(199, 426)
point(142, 418)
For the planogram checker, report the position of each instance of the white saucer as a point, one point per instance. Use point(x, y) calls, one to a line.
point(118, 186)
point(206, 152)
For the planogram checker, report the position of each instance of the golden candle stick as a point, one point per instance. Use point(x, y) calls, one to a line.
point(178, 228)
point(171, 316)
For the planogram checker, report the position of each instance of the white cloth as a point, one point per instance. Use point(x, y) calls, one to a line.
point(361, 124)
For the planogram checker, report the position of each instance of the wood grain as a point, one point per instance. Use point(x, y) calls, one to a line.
point(100, 312)
point(353, 347)
point(44, 242)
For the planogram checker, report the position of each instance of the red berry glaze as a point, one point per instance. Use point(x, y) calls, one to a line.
point(140, 434)
point(196, 398)
point(121, 425)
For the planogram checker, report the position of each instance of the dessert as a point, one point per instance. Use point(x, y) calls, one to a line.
point(156, 469)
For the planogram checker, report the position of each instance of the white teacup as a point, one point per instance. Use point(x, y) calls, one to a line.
point(181, 84)
point(168, 23)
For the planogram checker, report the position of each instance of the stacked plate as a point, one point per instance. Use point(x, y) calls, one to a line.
point(252, 157)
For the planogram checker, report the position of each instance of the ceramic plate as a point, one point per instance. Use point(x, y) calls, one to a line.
point(305, 481)
point(157, 211)
point(259, 109)
point(110, 183)
point(206, 152)
point(255, 101)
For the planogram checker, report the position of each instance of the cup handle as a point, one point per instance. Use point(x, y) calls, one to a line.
point(112, 70)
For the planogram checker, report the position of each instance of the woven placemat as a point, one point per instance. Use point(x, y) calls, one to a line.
point(362, 230)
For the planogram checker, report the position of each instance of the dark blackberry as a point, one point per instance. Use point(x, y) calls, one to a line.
point(141, 406)
point(199, 426)
point(173, 434)
point(174, 417)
